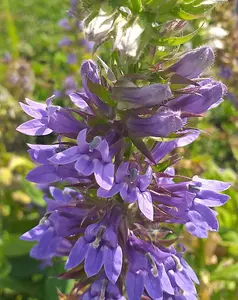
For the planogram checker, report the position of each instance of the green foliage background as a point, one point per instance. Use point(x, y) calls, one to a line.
point(30, 35)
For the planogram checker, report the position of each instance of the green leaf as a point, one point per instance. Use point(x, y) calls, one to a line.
point(136, 6)
point(34, 193)
point(176, 41)
point(52, 283)
point(183, 15)
point(12, 246)
point(101, 92)
point(225, 273)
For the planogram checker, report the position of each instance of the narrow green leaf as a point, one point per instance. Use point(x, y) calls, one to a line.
point(136, 6)
point(101, 92)
point(176, 41)
point(183, 15)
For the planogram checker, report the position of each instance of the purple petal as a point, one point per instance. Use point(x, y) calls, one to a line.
point(77, 254)
point(214, 185)
point(67, 156)
point(81, 140)
point(196, 230)
point(85, 165)
point(58, 194)
point(145, 180)
point(210, 198)
point(145, 204)
point(165, 282)
point(206, 215)
point(107, 194)
point(79, 100)
point(104, 174)
point(33, 112)
point(36, 105)
point(112, 263)
point(34, 127)
point(43, 174)
point(184, 282)
point(35, 233)
point(122, 171)
point(153, 285)
point(134, 285)
point(103, 148)
point(93, 261)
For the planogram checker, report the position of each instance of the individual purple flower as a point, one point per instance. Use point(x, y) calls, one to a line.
point(191, 203)
point(90, 71)
point(193, 63)
point(66, 197)
point(147, 96)
point(181, 276)
point(49, 118)
point(47, 172)
point(161, 124)
point(80, 99)
point(90, 158)
point(64, 23)
point(208, 96)
point(99, 246)
point(162, 148)
point(65, 42)
point(72, 59)
point(70, 85)
point(50, 234)
point(158, 271)
point(132, 187)
point(225, 72)
point(102, 288)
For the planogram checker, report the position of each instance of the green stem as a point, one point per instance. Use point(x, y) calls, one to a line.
point(11, 29)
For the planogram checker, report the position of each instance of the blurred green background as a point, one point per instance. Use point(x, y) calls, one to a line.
point(34, 65)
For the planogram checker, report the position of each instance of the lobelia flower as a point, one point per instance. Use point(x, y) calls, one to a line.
point(48, 172)
point(147, 96)
point(161, 124)
point(89, 71)
point(89, 158)
point(191, 204)
point(49, 118)
point(208, 96)
point(158, 271)
point(102, 289)
point(49, 233)
point(194, 62)
point(132, 187)
point(99, 246)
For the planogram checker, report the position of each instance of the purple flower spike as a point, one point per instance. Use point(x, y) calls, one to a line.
point(161, 124)
point(89, 158)
point(132, 187)
point(99, 246)
point(147, 96)
point(194, 62)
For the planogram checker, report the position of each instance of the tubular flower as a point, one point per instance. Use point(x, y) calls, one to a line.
point(114, 185)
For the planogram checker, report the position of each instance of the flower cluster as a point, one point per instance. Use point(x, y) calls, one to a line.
point(74, 45)
point(113, 218)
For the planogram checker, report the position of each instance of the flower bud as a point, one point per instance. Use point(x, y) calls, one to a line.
point(127, 40)
point(194, 62)
point(147, 96)
point(161, 124)
point(99, 28)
